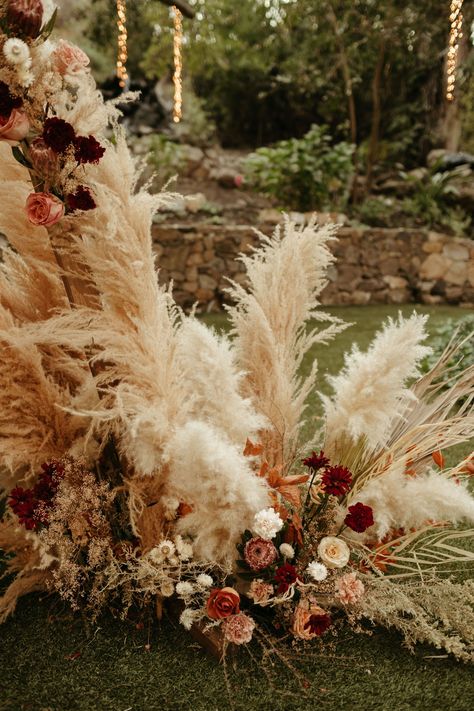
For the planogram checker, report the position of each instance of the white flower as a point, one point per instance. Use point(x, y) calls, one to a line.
point(287, 551)
point(317, 571)
point(267, 523)
point(184, 589)
point(334, 552)
point(187, 618)
point(16, 52)
point(166, 548)
point(204, 580)
point(186, 552)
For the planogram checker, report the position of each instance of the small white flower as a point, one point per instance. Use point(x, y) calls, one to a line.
point(266, 524)
point(16, 52)
point(184, 589)
point(173, 560)
point(186, 552)
point(166, 548)
point(155, 555)
point(334, 552)
point(287, 551)
point(317, 571)
point(204, 580)
point(187, 618)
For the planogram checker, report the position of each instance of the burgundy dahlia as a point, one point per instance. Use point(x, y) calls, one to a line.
point(87, 149)
point(359, 518)
point(316, 461)
point(32, 505)
point(318, 624)
point(23, 504)
point(285, 576)
point(81, 199)
point(259, 553)
point(7, 101)
point(58, 134)
point(336, 480)
point(25, 16)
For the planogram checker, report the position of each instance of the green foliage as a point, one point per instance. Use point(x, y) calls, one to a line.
point(304, 174)
point(464, 328)
point(166, 156)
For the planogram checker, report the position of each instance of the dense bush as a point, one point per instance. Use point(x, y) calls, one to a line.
point(309, 173)
point(443, 335)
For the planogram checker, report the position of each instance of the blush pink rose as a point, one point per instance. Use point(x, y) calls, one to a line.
point(44, 209)
point(15, 127)
point(69, 59)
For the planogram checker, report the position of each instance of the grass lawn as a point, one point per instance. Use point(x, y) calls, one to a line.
point(52, 660)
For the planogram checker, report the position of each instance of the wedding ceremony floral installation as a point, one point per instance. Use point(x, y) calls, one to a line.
point(146, 460)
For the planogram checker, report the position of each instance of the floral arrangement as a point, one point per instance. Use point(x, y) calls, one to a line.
point(145, 459)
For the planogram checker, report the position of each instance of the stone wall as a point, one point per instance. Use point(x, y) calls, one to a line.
point(373, 265)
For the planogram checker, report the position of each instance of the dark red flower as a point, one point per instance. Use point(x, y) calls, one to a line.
point(359, 518)
point(22, 503)
point(58, 134)
point(32, 505)
point(81, 199)
point(316, 461)
point(25, 16)
point(87, 149)
point(336, 480)
point(285, 576)
point(7, 101)
point(318, 624)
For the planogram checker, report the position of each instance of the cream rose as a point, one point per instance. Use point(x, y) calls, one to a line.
point(334, 552)
point(15, 127)
point(69, 59)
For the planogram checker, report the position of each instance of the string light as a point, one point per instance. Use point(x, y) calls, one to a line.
point(178, 64)
point(122, 43)
point(455, 35)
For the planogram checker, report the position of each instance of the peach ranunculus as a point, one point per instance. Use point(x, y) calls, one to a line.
point(300, 626)
point(44, 209)
point(223, 602)
point(349, 589)
point(15, 127)
point(69, 59)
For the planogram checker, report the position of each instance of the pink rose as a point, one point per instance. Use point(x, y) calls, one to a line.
point(44, 209)
point(15, 127)
point(69, 59)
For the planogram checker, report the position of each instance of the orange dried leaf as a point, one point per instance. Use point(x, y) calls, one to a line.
point(251, 449)
point(438, 458)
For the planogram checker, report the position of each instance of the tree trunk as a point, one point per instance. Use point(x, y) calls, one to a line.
point(376, 114)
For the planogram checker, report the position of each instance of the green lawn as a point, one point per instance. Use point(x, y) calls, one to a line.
point(52, 660)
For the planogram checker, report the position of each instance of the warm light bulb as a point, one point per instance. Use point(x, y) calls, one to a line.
point(122, 43)
point(455, 35)
point(178, 65)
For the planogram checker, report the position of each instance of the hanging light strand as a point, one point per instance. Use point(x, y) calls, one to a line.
point(455, 35)
point(122, 43)
point(178, 64)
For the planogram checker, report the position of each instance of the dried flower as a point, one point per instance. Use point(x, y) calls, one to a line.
point(16, 52)
point(69, 59)
point(184, 589)
point(316, 461)
point(32, 505)
point(287, 551)
point(285, 576)
point(349, 589)
point(87, 149)
point(43, 158)
point(318, 623)
point(238, 629)
point(26, 16)
point(58, 134)
point(81, 199)
point(204, 581)
point(8, 102)
point(167, 588)
point(334, 552)
point(223, 602)
point(15, 127)
point(184, 549)
point(165, 548)
point(317, 571)
point(267, 523)
point(259, 553)
point(44, 209)
point(360, 517)
point(187, 618)
point(260, 591)
point(336, 480)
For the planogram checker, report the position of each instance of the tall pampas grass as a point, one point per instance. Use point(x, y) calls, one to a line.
point(286, 274)
point(371, 392)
